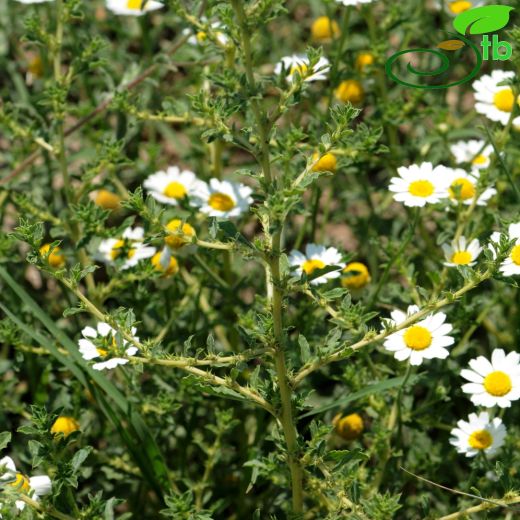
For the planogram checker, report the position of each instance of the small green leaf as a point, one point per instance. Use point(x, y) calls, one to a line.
point(5, 439)
point(481, 20)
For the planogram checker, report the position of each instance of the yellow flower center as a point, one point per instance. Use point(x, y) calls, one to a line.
point(326, 163)
point(324, 29)
point(349, 427)
point(417, 337)
point(504, 100)
point(176, 241)
point(461, 258)
point(21, 483)
point(107, 200)
point(221, 202)
point(118, 247)
point(359, 276)
point(102, 352)
point(309, 266)
point(65, 425)
point(175, 190)
point(134, 4)
point(300, 68)
point(201, 36)
point(462, 189)
point(350, 90)
point(421, 188)
point(171, 269)
point(479, 160)
point(515, 255)
point(480, 440)
point(459, 6)
point(497, 383)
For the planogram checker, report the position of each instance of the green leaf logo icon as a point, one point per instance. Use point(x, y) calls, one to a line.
point(481, 20)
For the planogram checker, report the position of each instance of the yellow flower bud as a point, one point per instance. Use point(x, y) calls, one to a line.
point(55, 259)
point(107, 200)
point(350, 90)
point(349, 427)
point(35, 66)
point(327, 162)
point(358, 278)
point(364, 60)
point(324, 29)
point(176, 226)
point(65, 425)
point(173, 266)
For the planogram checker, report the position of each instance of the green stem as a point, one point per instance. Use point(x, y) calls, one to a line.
point(287, 419)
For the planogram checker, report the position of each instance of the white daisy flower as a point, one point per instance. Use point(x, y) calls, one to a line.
point(494, 383)
point(201, 37)
point(316, 257)
point(129, 249)
point(511, 265)
point(33, 1)
point(299, 63)
point(455, 7)
point(172, 185)
point(133, 7)
point(478, 434)
point(222, 198)
point(418, 185)
point(495, 101)
point(460, 252)
point(354, 2)
point(477, 153)
point(462, 187)
point(101, 343)
point(35, 487)
point(427, 339)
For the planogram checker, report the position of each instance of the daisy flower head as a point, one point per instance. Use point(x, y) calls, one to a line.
point(126, 251)
point(350, 91)
point(133, 7)
point(33, 1)
point(493, 100)
point(325, 163)
point(54, 258)
point(223, 198)
point(474, 152)
point(479, 434)
point(165, 263)
point(299, 64)
point(495, 382)
point(104, 343)
point(356, 276)
point(35, 487)
point(455, 7)
point(179, 233)
point(107, 200)
point(65, 425)
point(354, 2)
point(462, 187)
point(323, 29)
point(427, 339)
point(201, 37)
point(172, 186)
point(316, 257)
point(511, 265)
point(461, 252)
point(419, 184)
